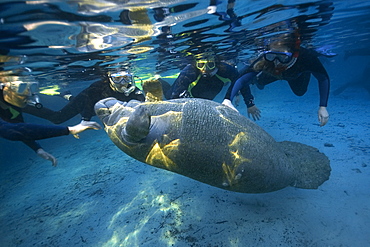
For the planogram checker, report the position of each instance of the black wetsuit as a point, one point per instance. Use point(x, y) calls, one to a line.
point(12, 127)
point(298, 76)
point(84, 103)
point(191, 82)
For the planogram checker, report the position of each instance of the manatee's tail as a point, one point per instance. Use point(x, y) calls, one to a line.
point(312, 168)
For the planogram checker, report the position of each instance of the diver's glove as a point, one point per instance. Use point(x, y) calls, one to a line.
point(45, 155)
point(323, 115)
point(82, 126)
point(255, 112)
point(228, 103)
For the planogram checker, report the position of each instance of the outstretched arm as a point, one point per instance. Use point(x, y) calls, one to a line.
point(30, 132)
point(322, 77)
point(242, 85)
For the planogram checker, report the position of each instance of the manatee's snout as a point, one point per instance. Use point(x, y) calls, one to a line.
point(102, 107)
point(105, 108)
point(105, 104)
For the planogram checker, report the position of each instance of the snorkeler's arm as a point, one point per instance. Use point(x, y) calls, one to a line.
point(242, 85)
point(86, 99)
point(324, 86)
point(181, 84)
point(34, 145)
point(319, 72)
point(27, 132)
point(43, 112)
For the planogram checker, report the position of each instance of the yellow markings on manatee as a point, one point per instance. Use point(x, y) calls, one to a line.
point(230, 171)
point(157, 156)
point(234, 148)
point(239, 139)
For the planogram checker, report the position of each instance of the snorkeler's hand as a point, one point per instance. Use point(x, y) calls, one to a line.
point(45, 155)
point(228, 103)
point(255, 112)
point(91, 124)
point(84, 125)
point(323, 115)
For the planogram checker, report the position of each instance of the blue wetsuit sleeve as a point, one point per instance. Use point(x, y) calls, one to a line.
point(242, 84)
point(324, 87)
point(33, 145)
point(30, 132)
point(319, 72)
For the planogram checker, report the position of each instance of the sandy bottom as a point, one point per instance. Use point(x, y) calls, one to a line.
point(98, 196)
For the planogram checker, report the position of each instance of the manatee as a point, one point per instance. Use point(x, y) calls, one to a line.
point(211, 143)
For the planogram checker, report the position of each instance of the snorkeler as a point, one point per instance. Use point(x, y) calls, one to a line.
point(286, 60)
point(205, 78)
point(15, 95)
point(120, 85)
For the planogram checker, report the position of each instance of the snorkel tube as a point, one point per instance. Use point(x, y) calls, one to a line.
point(34, 100)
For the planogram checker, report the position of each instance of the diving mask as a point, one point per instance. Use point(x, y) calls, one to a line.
point(122, 82)
point(20, 93)
point(24, 88)
point(205, 64)
point(282, 57)
point(207, 67)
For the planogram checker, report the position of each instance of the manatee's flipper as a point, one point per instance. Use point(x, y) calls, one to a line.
point(137, 126)
point(153, 90)
point(312, 168)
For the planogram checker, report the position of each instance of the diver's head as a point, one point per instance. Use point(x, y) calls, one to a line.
point(278, 57)
point(122, 82)
point(207, 66)
point(280, 54)
point(19, 93)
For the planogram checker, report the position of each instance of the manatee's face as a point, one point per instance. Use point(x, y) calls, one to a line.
point(111, 110)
